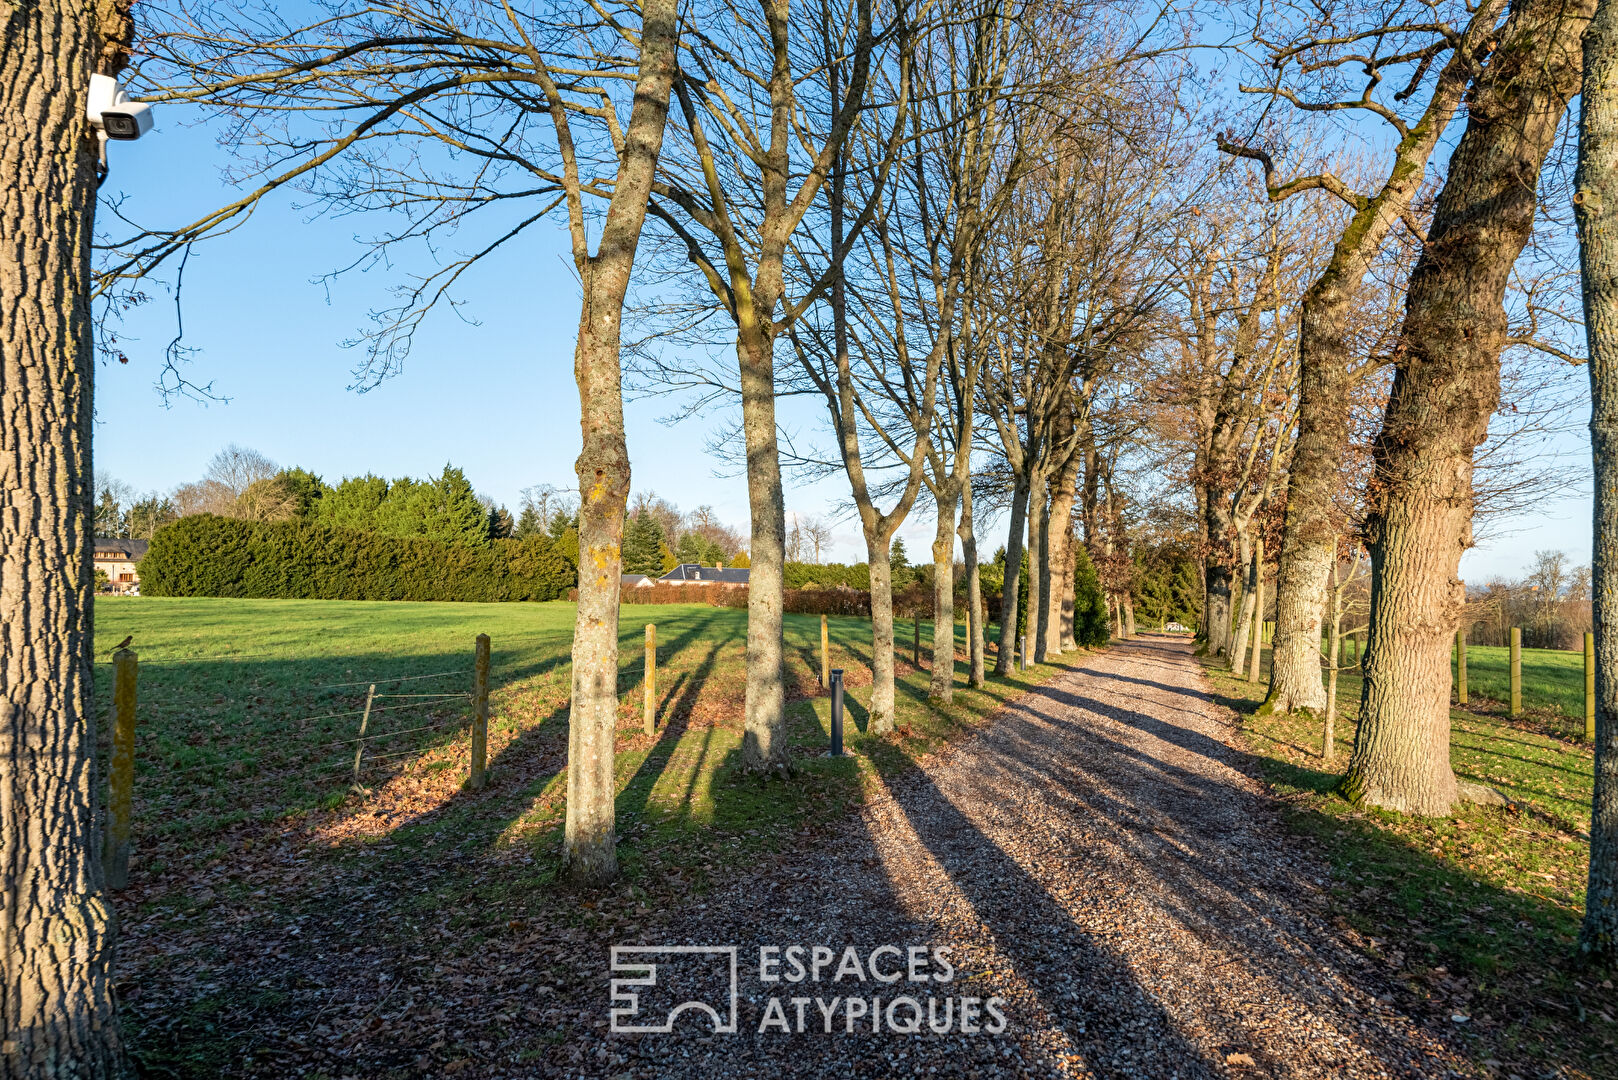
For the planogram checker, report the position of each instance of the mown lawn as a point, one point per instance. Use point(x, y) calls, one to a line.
point(247, 830)
point(249, 709)
point(1476, 913)
point(1552, 685)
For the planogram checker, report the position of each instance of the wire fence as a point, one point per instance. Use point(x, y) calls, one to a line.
point(257, 766)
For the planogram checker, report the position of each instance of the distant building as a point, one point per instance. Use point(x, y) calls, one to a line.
point(633, 581)
point(119, 558)
point(690, 573)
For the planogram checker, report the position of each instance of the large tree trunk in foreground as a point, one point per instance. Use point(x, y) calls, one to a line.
point(881, 715)
point(764, 742)
point(1446, 388)
point(1005, 659)
point(589, 843)
point(942, 686)
point(975, 633)
point(1596, 205)
point(57, 1017)
point(1309, 529)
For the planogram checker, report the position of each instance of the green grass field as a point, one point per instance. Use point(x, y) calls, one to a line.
point(1552, 682)
point(1476, 912)
point(249, 711)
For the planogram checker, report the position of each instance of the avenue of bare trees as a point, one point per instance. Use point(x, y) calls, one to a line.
point(1049, 285)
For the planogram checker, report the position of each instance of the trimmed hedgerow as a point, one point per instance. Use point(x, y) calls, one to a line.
point(207, 555)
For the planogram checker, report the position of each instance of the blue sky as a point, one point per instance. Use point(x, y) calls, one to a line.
point(493, 395)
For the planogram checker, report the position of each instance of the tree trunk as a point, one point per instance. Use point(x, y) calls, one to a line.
point(1445, 389)
point(57, 1017)
point(1039, 564)
point(1257, 633)
point(1244, 615)
point(975, 632)
point(1069, 600)
point(1596, 204)
point(1220, 574)
point(881, 716)
point(942, 686)
point(764, 742)
point(1005, 660)
point(589, 844)
point(1058, 539)
point(1310, 526)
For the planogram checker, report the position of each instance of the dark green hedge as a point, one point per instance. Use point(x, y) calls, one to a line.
point(796, 575)
point(205, 555)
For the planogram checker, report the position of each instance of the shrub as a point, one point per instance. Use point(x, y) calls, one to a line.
point(805, 601)
point(796, 575)
point(206, 555)
point(1091, 626)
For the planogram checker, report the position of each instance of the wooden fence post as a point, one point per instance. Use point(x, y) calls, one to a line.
point(1460, 666)
point(359, 750)
point(651, 679)
point(121, 777)
point(480, 715)
point(825, 656)
point(1589, 687)
point(1516, 672)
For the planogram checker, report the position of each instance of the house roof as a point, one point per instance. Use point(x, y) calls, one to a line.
point(733, 575)
point(111, 547)
point(630, 580)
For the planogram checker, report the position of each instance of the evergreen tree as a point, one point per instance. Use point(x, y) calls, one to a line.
point(148, 515)
point(500, 524)
point(643, 545)
point(527, 524)
point(356, 503)
point(306, 487)
point(109, 515)
point(1090, 624)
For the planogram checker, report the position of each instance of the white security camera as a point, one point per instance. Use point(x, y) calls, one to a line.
point(113, 114)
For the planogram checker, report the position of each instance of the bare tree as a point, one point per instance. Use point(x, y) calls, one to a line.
point(746, 112)
point(551, 109)
point(1596, 203)
point(57, 1014)
point(1321, 51)
point(1445, 390)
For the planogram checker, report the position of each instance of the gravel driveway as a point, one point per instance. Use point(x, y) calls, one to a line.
point(1099, 862)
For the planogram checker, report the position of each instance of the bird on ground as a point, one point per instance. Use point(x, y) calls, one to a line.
point(124, 644)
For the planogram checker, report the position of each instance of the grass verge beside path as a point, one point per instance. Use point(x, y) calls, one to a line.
point(1476, 914)
point(262, 886)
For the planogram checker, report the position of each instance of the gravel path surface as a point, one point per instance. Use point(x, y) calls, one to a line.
point(1096, 859)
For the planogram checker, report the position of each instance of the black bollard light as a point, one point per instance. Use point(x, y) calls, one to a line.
point(836, 712)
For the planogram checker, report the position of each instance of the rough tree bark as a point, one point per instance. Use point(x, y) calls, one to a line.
point(1309, 528)
point(589, 845)
point(1058, 541)
point(57, 1015)
point(1445, 389)
point(1596, 204)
